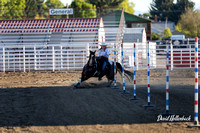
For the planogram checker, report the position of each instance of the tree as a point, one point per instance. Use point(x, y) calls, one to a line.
point(166, 9)
point(14, 9)
point(161, 8)
point(105, 3)
point(31, 8)
point(36, 9)
point(52, 4)
point(146, 14)
point(155, 36)
point(42, 11)
point(83, 9)
point(2, 7)
point(179, 8)
point(189, 23)
point(167, 33)
point(129, 7)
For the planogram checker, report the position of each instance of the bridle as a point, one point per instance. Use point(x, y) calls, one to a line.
point(91, 64)
point(91, 61)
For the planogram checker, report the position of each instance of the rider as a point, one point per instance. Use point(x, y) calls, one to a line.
point(104, 55)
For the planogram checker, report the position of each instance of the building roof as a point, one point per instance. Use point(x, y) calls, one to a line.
point(159, 27)
point(51, 25)
point(134, 34)
point(130, 34)
point(134, 30)
point(180, 33)
point(130, 17)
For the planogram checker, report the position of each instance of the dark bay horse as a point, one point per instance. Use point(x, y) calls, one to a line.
point(93, 67)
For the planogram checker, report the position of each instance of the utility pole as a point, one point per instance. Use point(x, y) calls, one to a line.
point(166, 22)
point(67, 16)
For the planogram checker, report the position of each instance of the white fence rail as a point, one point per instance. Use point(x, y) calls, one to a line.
point(63, 57)
point(28, 58)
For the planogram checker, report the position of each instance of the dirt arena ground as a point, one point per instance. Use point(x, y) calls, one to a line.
point(44, 102)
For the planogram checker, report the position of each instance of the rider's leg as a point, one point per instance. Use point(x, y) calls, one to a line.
point(102, 70)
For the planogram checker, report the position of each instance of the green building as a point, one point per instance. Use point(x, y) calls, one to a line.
point(132, 21)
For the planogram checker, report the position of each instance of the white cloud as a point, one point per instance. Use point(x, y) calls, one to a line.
point(66, 1)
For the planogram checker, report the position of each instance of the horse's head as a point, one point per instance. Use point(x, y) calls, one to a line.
point(92, 60)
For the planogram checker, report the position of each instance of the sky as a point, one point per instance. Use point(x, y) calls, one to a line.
point(142, 6)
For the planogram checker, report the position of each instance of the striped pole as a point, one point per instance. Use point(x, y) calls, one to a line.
point(134, 75)
point(196, 88)
point(115, 69)
point(196, 121)
point(167, 80)
point(122, 56)
point(148, 73)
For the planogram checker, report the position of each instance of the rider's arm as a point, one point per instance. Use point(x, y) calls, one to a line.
point(99, 54)
point(107, 53)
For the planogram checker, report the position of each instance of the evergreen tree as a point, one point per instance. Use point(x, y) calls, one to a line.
point(161, 8)
point(83, 9)
point(105, 3)
point(166, 9)
point(31, 8)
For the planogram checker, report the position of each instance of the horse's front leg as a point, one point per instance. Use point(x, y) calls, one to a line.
point(83, 78)
point(77, 84)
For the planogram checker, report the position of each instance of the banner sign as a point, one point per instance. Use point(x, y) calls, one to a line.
point(67, 11)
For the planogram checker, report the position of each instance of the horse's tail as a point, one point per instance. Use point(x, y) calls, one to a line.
point(128, 74)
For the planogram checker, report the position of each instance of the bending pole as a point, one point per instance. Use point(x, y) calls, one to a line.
point(148, 73)
point(122, 56)
point(115, 69)
point(167, 82)
point(196, 89)
point(134, 75)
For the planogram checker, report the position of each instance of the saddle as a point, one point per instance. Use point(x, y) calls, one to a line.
point(100, 63)
point(96, 69)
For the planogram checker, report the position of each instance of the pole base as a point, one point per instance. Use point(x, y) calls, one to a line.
point(148, 105)
point(115, 87)
point(124, 92)
point(167, 114)
point(195, 124)
point(134, 98)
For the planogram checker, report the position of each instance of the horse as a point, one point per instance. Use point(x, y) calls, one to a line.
point(93, 67)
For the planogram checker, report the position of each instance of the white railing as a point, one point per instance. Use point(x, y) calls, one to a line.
point(74, 57)
point(181, 57)
point(29, 58)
